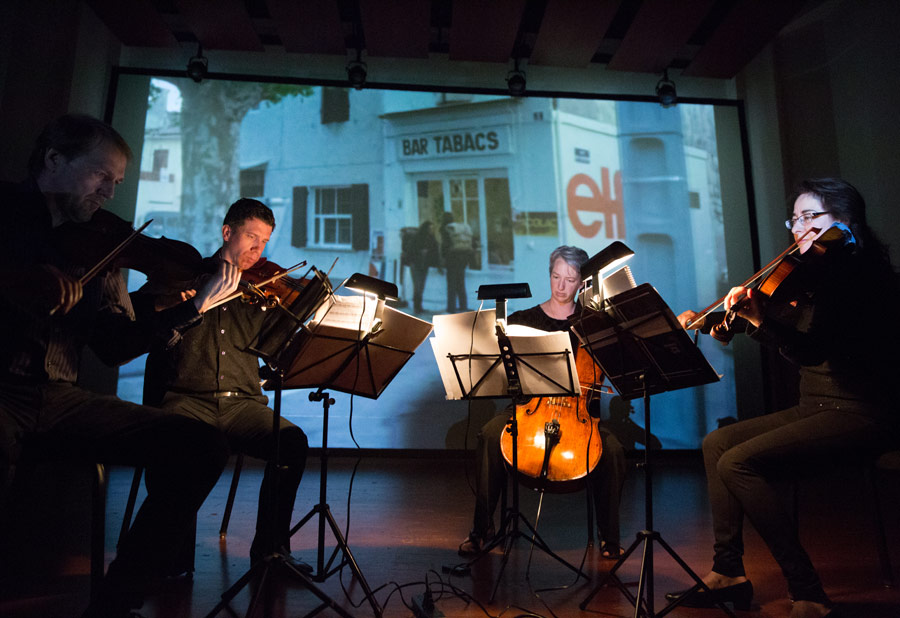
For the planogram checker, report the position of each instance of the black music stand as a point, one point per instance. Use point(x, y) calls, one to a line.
point(524, 374)
point(343, 358)
point(643, 350)
point(273, 338)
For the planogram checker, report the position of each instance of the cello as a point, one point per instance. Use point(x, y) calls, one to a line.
point(558, 443)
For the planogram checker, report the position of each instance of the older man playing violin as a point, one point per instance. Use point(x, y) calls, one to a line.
point(211, 376)
point(832, 324)
point(49, 311)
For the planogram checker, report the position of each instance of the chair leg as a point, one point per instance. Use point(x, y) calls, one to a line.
point(129, 506)
point(887, 573)
point(589, 494)
point(238, 464)
point(98, 528)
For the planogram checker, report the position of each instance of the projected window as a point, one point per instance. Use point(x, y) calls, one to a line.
point(333, 218)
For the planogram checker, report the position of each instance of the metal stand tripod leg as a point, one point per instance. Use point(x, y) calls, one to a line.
point(509, 528)
point(643, 602)
point(324, 570)
point(264, 570)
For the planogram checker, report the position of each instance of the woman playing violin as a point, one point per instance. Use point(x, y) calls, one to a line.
point(609, 474)
point(831, 323)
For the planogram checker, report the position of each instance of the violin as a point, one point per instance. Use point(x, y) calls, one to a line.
point(98, 245)
point(558, 442)
point(267, 283)
point(773, 279)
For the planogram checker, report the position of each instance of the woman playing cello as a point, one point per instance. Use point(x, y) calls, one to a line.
point(490, 469)
point(835, 323)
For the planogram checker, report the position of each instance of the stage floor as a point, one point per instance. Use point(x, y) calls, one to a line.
point(407, 515)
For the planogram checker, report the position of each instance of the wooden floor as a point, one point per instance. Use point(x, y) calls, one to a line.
point(407, 516)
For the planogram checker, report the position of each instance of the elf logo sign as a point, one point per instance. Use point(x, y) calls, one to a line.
point(585, 200)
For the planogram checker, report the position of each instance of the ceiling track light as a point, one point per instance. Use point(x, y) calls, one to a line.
point(665, 91)
point(515, 81)
point(198, 66)
point(357, 71)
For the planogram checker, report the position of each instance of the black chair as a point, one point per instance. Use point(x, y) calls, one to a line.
point(887, 464)
point(186, 563)
point(98, 528)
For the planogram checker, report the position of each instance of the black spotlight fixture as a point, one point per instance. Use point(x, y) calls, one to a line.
point(356, 71)
point(198, 65)
point(665, 91)
point(515, 81)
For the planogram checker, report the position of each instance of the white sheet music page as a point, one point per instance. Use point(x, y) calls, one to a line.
point(346, 311)
point(542, 370)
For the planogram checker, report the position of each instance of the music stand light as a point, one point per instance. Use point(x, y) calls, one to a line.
point(382, 290)
point(500, 292)
point(607, 259)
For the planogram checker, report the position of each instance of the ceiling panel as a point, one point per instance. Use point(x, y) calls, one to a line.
point(707, 38)
point(220, 24)
point(571, 31)
point(485, 31)
point(743, 33)
point(396, 28)
point(136, 24)
point(308, 27)
point(659, 30)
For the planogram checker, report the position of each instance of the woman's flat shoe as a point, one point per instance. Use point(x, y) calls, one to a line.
point(610, 551)
point(740, 595)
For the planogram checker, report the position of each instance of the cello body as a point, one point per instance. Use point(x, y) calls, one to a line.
point(558, 443)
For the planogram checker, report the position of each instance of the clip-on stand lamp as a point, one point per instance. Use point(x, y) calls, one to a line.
point(509, 528)
point(608, 259)
point(313, 294)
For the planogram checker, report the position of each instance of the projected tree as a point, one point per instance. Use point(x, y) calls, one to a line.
point(211, 116)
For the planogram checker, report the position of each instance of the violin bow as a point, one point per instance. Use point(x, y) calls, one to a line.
point(113, 254)
point(765, 269)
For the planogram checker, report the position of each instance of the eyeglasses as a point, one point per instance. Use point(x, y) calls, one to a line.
point(804, 219)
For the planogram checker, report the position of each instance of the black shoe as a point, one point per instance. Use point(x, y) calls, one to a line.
point(740, 595)
point(475, 542)
point(296, 563)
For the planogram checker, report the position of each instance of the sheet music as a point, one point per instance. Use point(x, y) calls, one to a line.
point(345, 312)
point(472, 333)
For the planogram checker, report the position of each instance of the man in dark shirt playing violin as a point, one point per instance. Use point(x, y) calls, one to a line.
point(490, 469)
point(211, 376)
point(49, 311)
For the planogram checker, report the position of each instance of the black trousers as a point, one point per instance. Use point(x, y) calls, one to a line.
point(62, 421)
point(606, 480)
point(246, 423)
point(745, 462)
point(455, 263)
point(419, 274)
